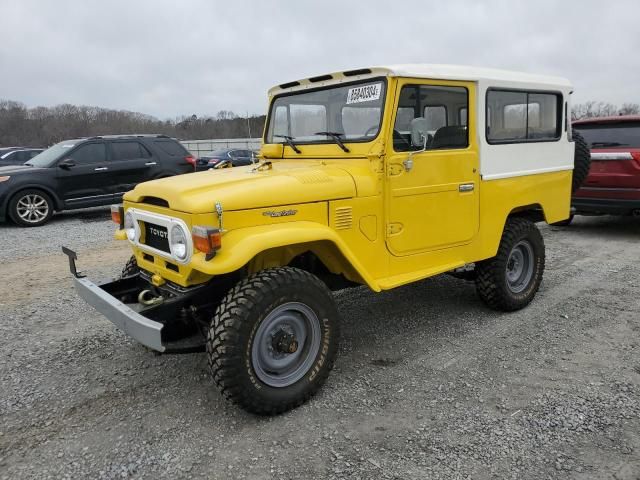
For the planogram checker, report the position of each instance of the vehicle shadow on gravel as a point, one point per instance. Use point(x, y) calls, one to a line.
point(605, 226)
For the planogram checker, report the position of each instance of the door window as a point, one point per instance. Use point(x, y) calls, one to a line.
point(431, 113)
point(89, 153)
point(128, 151)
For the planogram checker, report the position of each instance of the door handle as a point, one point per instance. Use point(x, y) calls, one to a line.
point(100, 169)
point(148, 164)
point(408, 164)
point(466, 187)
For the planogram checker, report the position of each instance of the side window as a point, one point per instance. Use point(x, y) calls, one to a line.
point(431, 113)
point(89, 153)
point(514, 116)
point(126, 151)
point(171, 147)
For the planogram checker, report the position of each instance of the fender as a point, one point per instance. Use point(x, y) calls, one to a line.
point(241, 246)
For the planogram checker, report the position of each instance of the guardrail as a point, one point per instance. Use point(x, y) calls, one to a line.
point(203, 147)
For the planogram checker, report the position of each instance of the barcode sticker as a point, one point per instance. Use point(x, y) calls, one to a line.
point(366, 93)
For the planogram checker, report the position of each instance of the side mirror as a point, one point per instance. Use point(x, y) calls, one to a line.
point(67, 163)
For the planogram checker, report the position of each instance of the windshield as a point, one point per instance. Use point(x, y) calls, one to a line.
point(352, 112)
point(602, 135)
point(50, 155)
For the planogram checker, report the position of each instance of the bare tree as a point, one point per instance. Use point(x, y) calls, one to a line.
point(593, 109)
point(44, 126)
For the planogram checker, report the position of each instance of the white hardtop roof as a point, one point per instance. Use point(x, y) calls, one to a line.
point(430, 71)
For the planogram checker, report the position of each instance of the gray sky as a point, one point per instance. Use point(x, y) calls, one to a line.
point(170, 58)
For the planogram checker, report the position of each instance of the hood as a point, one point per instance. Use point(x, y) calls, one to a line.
point(18, 169)
point(239, 188)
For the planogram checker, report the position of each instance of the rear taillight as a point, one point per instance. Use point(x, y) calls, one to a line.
point(191, 160)
point(636, 156)
point(208, 240)
point(117, 215)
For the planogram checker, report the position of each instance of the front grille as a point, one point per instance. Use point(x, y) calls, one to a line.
point(156, 236)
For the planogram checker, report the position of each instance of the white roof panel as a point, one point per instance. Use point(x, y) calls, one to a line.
point(431, 71)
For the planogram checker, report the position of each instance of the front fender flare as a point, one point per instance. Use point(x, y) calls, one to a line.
point(240, 246)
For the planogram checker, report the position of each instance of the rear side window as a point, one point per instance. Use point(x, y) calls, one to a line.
point(89, 153)
point(522, 116)
point(128, 151)
point(170, 147)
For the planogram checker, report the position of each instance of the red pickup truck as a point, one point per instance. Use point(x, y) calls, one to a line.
point(613, 184)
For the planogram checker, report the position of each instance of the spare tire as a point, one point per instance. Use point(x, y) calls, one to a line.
point(581, 161)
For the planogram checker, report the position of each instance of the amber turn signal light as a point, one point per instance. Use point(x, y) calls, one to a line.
point(207, 240)
point(117, 215)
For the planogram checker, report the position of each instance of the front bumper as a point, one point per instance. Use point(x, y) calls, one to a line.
point(145, 331)
point(168, 326)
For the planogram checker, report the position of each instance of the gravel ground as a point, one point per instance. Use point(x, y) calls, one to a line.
point(428, 383)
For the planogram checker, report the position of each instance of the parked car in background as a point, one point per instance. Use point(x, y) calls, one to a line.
point(86, 172)
point(18, 156)
point(235, 156)
point(613, 184)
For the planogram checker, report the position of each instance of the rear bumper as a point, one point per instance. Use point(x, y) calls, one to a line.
point(145, 331)
point(606, 206)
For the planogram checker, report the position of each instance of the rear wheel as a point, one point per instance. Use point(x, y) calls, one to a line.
point(31, 208)
point(273, 340)
point(510, 280)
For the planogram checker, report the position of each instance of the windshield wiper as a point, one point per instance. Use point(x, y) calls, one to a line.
point(608, 144)
point(336, 136)
point(289, 141)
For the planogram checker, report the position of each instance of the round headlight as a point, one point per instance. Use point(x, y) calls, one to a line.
point(130, 227)
point(178, 242)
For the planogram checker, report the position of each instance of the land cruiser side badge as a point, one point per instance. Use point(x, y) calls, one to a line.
point(282, 213)
point(365, 93)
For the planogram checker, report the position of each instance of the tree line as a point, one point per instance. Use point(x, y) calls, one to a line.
point(45, 126)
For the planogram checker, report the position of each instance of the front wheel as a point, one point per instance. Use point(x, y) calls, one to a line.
point(31, 208)
point(510, 280)
point(273, 340)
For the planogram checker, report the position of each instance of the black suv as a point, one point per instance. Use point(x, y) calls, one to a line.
point(87, 172)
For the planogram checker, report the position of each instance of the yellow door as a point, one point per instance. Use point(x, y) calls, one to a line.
point(432, 168)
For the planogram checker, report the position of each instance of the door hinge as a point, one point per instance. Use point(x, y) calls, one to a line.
point(394, 228)
point(395, 169)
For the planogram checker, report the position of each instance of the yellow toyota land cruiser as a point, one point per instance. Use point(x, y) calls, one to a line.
point(379, 177)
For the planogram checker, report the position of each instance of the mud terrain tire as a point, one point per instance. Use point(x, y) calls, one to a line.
point(273, 340)
point(510, 280)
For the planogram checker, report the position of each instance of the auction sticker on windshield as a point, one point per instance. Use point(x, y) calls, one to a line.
point(366, 93)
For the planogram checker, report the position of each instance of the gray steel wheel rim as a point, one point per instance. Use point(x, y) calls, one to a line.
point(520, 266)
point(32, 208)
point(278, 369)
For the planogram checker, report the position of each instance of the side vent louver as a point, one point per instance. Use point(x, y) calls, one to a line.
point(343, 218)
